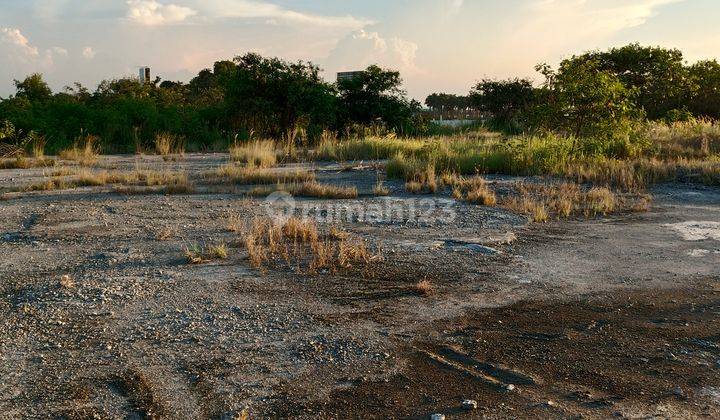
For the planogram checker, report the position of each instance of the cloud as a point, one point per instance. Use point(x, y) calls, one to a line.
point(152, 13)
point(274, 14)
point(361, 49)
point(59, 51)
point(15, 38)
point(594, 17)
point(88, 53)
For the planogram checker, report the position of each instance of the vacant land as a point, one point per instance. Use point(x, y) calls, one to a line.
point(142, 286)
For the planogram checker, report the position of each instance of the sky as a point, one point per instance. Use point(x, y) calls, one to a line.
point(437, 45)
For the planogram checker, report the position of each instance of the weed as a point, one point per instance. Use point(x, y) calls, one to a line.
point(21, 162)
point(66, 282)
point(480, 193)
point(198, 254)
point(218, 252)
point(601, 200)
point(257, 154)
point(85, 151)
point(380, 190)
point(300, 245)
point(167, 144)
point(259, 176)
point(423, 287)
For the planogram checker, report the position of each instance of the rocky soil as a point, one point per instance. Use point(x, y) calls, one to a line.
point(618, 316)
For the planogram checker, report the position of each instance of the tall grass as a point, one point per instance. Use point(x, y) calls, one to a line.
point(85, 151)
point(696, 138)
point(655, 153)
point(256, 154)
point(370, 148)
point(167, 144)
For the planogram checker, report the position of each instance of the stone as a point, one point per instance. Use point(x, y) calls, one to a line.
point(437, 416)
point(470, 405)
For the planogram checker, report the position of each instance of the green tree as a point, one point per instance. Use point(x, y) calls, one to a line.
point(33, 88)
point(376, 96)
point(274, 97)
point(582, 100)
point(705, 97)
point(658, 75)
point(507, 101)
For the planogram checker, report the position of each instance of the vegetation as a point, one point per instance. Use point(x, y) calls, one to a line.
point(300, 245)
point(230, 103)
point(622, 118)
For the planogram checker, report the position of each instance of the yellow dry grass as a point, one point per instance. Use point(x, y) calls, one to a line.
point(239, 175)
point(85, 151)
point(256, 154)
point(299, 245)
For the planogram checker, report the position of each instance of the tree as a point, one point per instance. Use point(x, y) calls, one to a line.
point(705, 98)
point(658, 75)
point(582, 100)
point(33, 88)
point(275, 97)
point(506, 100)
point(375, 96)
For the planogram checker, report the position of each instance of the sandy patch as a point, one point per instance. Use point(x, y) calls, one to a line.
point(696, 230)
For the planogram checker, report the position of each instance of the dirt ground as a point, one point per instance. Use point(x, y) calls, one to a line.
point(612, 317)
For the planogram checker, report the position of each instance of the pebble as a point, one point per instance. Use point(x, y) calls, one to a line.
point(510, 387)
point(470, 405)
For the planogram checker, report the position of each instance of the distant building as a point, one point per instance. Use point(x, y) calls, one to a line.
point(144, 75)
point(348, 75)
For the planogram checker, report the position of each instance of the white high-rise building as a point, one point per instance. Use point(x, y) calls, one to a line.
point(144, 74)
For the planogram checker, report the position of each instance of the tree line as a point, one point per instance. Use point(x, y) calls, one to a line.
point(598, 93)
point(236, 99)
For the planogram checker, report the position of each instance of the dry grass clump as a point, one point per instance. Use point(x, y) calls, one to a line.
point(424, 287)
point(167, 144)
point(541, 202)
point(337, 233)
point(200, 254)
point(85, 151)
point(178, 184)
point(380, 190)
point(38, 148)
point(601, 200)
point(299, 245)
point(261, 176)
point(257, 154)
point(414, 187)
point(472, 190)
point(21, 162)
point(318, 190)
point(173, 182)
point(422, 181)
point(483, 196)
point(697, 138)
point(51, 185)
point(67, 282)
point(235, 223)
point(297, 230)
point(534, 208)
point(63, 171)
point(480, 193)
point(309, 189)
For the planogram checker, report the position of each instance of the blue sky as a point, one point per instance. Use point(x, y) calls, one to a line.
point(438, 45)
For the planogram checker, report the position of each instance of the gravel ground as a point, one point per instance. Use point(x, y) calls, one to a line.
point(576, 318)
